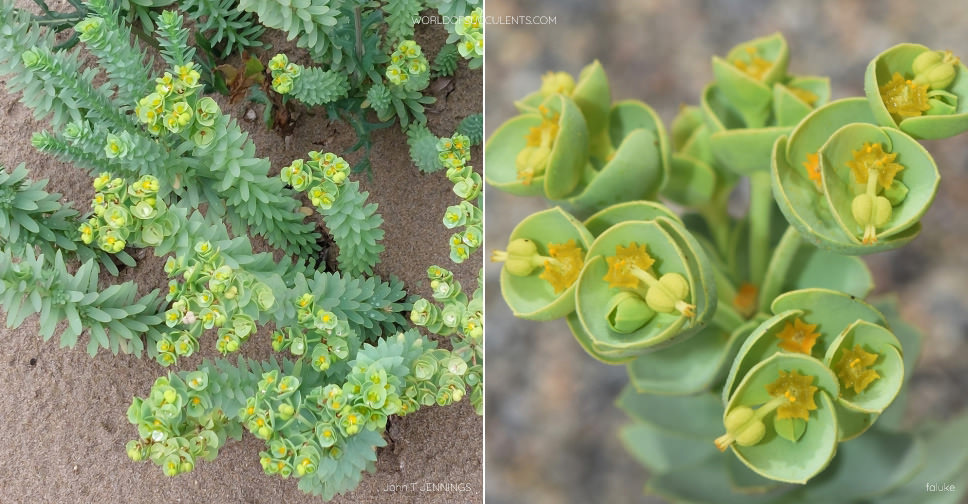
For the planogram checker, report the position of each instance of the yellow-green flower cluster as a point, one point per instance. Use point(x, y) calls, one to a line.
point(177, 423)
point(125, 213)
point(454, 154)
point(471, 31)
point(211, 294)
point(319, 335)
point(321, 177)
point(407, 63)
point(176, 107)
point(284, 73)
point(439, 376)
point(328, 416)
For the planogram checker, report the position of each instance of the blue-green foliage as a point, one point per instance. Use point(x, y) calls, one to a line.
point(31, 218)
point(313, 21)
point(371, 307)
point(454, 8)
point(221, 22)
point(315, 86)
point(252, 197)
point(472, 127)
point(400, 16)
point(110, 42)
point(226, 170)
point(173, 39)
point(423, 148)
point(115, 317)
point(17, 34)
point(445, 63)
point(355, 227)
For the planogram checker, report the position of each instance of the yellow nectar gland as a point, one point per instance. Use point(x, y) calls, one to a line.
point(794, 394)
point(854, 371)
point(533, 158)
point(745, 299)
point(872, 166)
point(757, 67)
point(872, 160)
point(798, 336)
point(812, 165)
point(806, 96)
point(620, 274)
point(564, 265)
point(905, 98)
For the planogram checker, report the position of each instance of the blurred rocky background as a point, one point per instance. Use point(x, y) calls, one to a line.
point(551, 424)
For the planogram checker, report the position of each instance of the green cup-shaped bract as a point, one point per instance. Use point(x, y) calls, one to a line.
point(673, 253)
point(530, 297)
point(830, 310)
point(694, 174)
point(627, 116)
point(593, 96)
point(738, 147)
point(634, 169)
point(750, 96)
point(640, 210)
point(774, 456)
point(566, 162)
point(889, 366)
point(920, 175)
point(899, 59)
point(789, 107)
point(822, 214)
point(591, 92)
point(634, 158)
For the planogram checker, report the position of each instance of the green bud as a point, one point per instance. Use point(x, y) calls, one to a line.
point(286, 411)
point(30, 57)
point(627, 312)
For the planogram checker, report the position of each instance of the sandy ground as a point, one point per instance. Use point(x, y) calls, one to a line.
point(551, 424)
point(63, 412)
